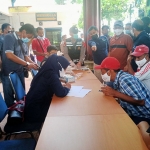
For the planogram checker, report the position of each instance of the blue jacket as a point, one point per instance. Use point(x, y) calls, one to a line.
point(102, 49)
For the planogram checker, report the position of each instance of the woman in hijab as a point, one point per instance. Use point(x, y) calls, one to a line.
point(44, 85)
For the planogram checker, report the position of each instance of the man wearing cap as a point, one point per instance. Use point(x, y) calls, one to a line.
point(120, 44)
point(141, 54)
point(141, 37)
point(133, 95)
point(74, 50)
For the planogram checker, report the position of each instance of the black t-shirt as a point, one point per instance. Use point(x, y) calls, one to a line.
point(142, 39)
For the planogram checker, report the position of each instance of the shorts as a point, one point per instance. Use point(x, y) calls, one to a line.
point(137, 120)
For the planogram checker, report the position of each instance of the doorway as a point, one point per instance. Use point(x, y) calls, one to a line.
point(54, 35)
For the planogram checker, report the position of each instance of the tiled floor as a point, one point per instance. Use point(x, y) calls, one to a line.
point(2, 124)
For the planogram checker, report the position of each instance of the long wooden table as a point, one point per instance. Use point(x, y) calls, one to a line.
point(95, 122)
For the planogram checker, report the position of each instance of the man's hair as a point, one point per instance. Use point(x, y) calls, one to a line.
point(138, 25)
point(146, 21)
point(51, 47)
point(63, 36)
point(105, 26)
point(92, 27)
point(29, 28)
point(4, 26)
point(38, 28)
point(128, 24)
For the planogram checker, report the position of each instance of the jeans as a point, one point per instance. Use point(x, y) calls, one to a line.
point(8, 90)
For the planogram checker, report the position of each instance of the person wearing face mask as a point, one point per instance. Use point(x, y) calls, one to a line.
point(141, 54)
point(120, 44)
point(43, 87)
point(99, 46)
point(74, 49)
point(141, 38)
point(128, 30)
point(39, 45)
point(133, 95)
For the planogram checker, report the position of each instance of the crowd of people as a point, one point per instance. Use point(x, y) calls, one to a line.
point(121, 64)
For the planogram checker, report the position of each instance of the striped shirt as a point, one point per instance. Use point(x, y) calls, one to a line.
point(131, 86)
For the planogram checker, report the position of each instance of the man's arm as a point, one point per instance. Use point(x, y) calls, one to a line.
point(129, 67)
point(82, 54)
point(108, 91)
point(65, 51)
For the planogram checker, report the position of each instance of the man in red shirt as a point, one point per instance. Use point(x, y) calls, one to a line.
point(39, 45)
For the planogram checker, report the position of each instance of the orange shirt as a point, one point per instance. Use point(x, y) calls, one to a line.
point(120, 48)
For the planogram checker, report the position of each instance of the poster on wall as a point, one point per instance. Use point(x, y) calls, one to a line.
point(50, 16)
point(19, 9)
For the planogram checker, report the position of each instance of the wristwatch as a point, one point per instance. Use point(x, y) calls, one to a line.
point(27, 64)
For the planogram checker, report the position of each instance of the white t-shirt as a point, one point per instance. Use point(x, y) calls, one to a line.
point(144, 75)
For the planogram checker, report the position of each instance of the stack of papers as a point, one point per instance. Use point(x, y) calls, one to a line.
point(78, 91)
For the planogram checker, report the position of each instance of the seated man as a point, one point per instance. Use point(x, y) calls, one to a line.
point(133, 95)
point(51, 50)
point(141, 54)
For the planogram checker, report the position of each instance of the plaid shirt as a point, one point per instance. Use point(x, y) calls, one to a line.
point(131, 86)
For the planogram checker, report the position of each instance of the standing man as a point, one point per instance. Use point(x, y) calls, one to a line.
point(74, 50)
point(14, 60)
point(120, 44)
point(105, 31)
point(128, 30)
point(39, 45)
point(99, 46)
point(141, 38)
point(6, 28)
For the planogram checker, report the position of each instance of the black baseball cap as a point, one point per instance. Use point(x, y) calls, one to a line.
point(74, 30)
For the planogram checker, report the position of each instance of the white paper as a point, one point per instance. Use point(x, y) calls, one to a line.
point(83, 92)
point(74, 90)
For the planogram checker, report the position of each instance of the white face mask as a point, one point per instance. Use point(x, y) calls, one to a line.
point(118, 31)
point(141, 63)
point(105, 77)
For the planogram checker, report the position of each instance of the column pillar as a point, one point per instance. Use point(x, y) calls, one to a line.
point(92, 16)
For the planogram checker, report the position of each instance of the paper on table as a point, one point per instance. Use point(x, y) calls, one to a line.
point(82, 93)
point(74, 90)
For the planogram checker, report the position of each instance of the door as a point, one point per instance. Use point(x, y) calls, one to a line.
point(54, 35)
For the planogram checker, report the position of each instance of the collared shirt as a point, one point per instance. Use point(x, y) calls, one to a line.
point(120, 48)
point(81, 50)
point(11, 45)
point(143, 74)
point(40, 47)
point(102, 49)
point(129, 85)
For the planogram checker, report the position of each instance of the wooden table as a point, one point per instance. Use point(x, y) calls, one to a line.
point(94, 103)
point(98, 132)
point(95, 122)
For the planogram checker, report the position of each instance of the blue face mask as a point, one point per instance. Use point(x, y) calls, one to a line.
point(75, 36)
point(127, 31)
point(25, 40)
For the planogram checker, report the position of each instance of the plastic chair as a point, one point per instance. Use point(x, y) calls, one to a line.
point(34, 72)
point(21, 144)
point(17, 86)
point(3, 111)
point(3, 108)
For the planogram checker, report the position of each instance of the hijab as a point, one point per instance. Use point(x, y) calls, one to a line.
point(52, 65)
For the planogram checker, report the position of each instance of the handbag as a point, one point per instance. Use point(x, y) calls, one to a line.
point(25, 70)
point(16, 112)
